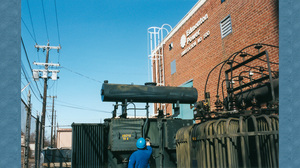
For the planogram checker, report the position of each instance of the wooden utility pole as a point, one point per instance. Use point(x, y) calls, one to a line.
point(54, 132)
point(52, 145)
point(45, 76)
point(44, 100)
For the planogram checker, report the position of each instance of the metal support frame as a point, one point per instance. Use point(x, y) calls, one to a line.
point(270, 77)
point(124, 109)
point(161, 146)
point(146, 125)
point(114, 113)
point(248, 84)
point(44, 64)
point(231, 90)
point(133, 108)
point(176, 108)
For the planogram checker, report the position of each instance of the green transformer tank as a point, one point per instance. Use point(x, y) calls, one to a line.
point(110, 144)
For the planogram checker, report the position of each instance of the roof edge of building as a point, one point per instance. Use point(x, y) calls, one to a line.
point(180, 23)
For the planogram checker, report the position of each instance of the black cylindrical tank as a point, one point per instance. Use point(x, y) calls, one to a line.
point(262, 94)
point(151, 94)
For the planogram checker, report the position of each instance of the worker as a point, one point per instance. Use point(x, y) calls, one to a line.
point(140, 158)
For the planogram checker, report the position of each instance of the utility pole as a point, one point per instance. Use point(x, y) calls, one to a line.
point(56, 128)
point(27, 131)
point(52, 119)
point(54, 136)
point(37, 146)
point(45, 76)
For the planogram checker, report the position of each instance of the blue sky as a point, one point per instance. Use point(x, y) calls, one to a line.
point(100, 39)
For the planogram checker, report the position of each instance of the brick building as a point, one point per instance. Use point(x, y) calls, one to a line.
point(210, 33)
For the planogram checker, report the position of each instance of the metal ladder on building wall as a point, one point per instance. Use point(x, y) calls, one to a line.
point(156, 56)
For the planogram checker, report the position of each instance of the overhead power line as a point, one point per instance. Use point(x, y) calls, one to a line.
point(74, 105)
point(59, 126)
point(49, 118)
point(57, 21)
point(45, 19)
point(28, 30)
point(57, 28)
point(52, 87)
point(82, 75)
point(22, 93)
point(29, 64)
point(31, 20)
point(80, 108)
point(24, 72)
point(25, 53)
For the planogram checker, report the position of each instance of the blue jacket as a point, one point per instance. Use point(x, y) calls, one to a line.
point(140, 158)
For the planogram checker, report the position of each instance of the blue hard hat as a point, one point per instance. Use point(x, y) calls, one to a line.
point(141, 143)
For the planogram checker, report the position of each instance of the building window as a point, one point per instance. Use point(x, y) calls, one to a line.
point(173, 67)
point(170, 46)
point(226, 27)
point(185, 110)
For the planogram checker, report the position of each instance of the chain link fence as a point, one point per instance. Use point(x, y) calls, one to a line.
point(30, 126)
point(33, 155)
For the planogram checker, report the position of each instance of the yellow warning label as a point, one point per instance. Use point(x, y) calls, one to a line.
point(126, 136)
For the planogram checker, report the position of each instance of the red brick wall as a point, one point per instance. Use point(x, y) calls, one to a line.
point(252, 22)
